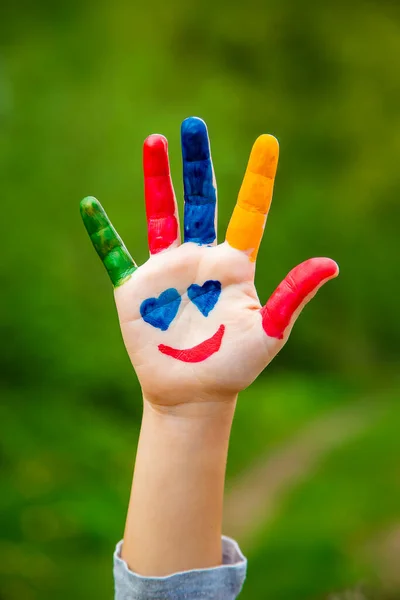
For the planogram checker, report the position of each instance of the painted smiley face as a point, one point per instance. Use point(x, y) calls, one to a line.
point(160, 312)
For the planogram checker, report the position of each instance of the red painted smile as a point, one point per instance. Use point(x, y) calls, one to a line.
point(199, 352)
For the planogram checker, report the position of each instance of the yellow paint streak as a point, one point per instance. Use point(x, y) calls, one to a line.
point(246, 227)
point(245, 231)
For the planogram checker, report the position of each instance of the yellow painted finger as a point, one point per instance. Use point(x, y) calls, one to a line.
point(247, 223)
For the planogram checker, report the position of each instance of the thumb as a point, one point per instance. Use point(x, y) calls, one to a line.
point(294, 292)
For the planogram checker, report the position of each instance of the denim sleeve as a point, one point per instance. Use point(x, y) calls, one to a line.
point(219, 583)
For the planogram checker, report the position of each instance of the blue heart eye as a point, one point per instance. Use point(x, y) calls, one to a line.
point(160, 312)
point(205, 296)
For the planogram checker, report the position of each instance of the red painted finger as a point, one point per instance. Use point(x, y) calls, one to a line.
point(161, 208)
point(294, 292)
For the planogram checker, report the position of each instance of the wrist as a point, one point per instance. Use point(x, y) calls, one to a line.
point(192, 415)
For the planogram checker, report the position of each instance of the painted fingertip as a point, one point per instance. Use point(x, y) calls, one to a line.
point(337, 268)
point(89, 205)
point(93, 215)
point(328, 268)
point(195, 143)
point(193, 125)
point(156, 141)
point(264, 156)
point(267, 141)
point(155, 155)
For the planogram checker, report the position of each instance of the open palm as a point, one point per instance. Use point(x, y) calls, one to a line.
point(190, 316)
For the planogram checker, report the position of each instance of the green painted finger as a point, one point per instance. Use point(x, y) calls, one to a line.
point(106, 241)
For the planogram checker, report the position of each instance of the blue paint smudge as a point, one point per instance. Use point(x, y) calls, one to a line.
point(199, 224)
point(205, 296)
point(160, 312)
point(199, 191)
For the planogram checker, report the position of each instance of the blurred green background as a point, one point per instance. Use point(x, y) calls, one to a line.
point(314, 469)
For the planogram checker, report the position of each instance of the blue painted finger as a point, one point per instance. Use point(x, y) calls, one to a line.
point(199, 184)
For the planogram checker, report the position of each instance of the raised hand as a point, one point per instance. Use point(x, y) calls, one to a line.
point(190, 316)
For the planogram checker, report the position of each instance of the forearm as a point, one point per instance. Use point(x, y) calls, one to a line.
point(174, 517)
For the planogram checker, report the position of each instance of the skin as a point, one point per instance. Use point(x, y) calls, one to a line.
point(175, 510)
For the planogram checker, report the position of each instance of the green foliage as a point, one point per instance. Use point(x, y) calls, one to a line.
point(322, 537)
point(81, 85)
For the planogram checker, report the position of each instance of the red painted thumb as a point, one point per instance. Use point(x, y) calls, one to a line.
point(294, 292)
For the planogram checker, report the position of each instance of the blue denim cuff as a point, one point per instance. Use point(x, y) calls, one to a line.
point(219, 583)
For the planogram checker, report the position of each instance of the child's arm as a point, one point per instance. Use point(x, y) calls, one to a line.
point(175, 511)
point(196, 334)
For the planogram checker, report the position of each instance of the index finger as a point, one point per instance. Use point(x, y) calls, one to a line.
point(246, 227)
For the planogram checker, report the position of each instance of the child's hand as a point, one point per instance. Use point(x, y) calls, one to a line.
point(196, 334)
point(190, 317)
